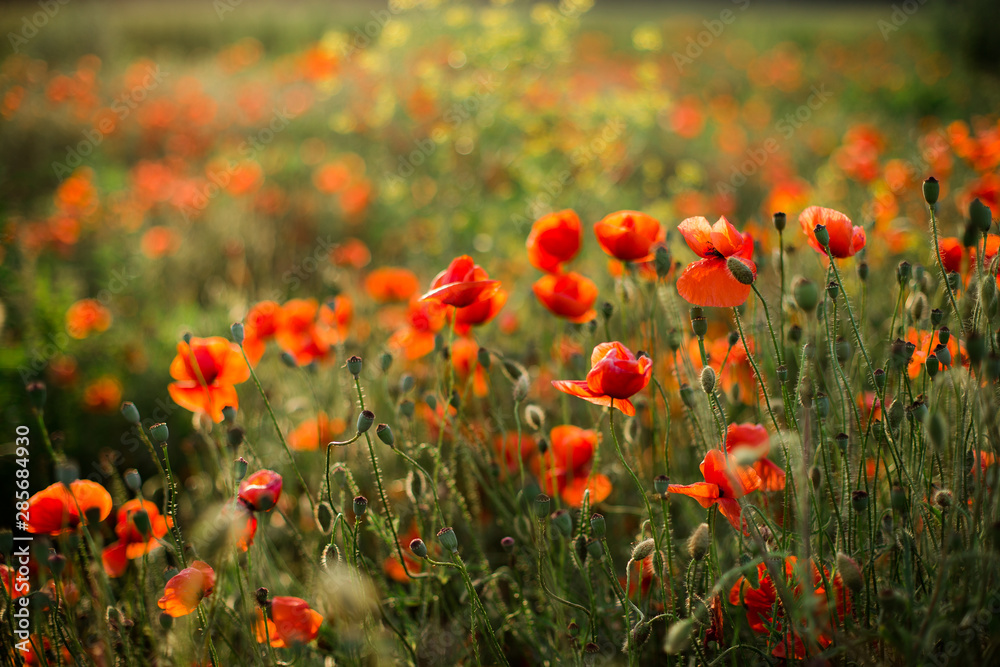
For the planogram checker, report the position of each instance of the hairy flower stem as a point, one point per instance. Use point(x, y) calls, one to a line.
point(541, 551)
point(778, 350)
point(478, 606)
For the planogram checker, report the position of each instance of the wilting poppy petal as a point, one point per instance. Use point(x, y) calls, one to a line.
point(186, 589)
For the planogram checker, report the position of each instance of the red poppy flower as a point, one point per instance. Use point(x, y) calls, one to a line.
point(186, 589)
point(566, 466)
point(628, 236)
point(951, 254)
point(568, 295)
point(725, 482)
point(210, 387)
point(480, 312)
point(261, 326)
point(261, 490)
point(391, 284)
point(290, 622)
point(103, 394)
point(56, 509)
point(465, 359)
point(615, 376)
point(307, 330)
point(132, 543)
point(87, 316)
point(554, 240)
point(315, 432)
point(755, 439)
point(709, 282)
point(416, 338)
point(845, 239)
point(462, 284)
point(508, 452)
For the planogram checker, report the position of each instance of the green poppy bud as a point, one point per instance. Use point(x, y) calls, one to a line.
point(780, 220)
point(932, 189)
point(360, 506)
point(822, 235)
point(130, 413)
point(159, 432)
point(598, 526)
point(354, 365)
point(238, 332)
point(446, 536)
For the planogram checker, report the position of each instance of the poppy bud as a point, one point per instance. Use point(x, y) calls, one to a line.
point(660, 484)
point(385, 361)
point(431, 401)
point(406, 383)
point(687, 395)
point(932, 189)
point(937, 430)
point(57, 562)
point(707, 379)
point(542, 504)
point(816, 477)
point(365, 420)
point(130, 413)
point(289, 360)
point(563, 522)
point(406, 408)
point(534, 416)
point(932, 365)
point(360, 506)
point(699, 325)
point(508, 544)
point(543, 445)
point(607, 310)
point(895, 413)
point(483, 357)
point(418, 548)
point(779, 219)
point(644, 549)
point(354, 366)
point(160, 432)
point(842, 440)
point(739, 269)
point(844, 350)
point(239, 469)
point(521, 387)
point(456, 401)
point(132, 480)
point(448, 539)
point(970, 236)
point(863, 271)
point(238, 332)
point(980, 216)
point(850, 572)
point(699, 542)
point(661, 261)
point(822, 403)
point(782, 372)
point(806, 294)
point(918, 411)
point(674, 340)
point(384, 434)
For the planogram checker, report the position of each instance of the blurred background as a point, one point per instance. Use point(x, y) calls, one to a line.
point(167, 165)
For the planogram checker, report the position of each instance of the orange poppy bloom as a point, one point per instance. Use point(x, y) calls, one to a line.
point(315, 432)
point(261, 326)
point(615, 376)
point(416, 338)
point(755, 438)
point(85, 317)
point(508, 452)
point(568, 295)
point(709, 282)
point(566, 466)
point(391, 565)
point(927, 342)
point(132, 543)
point(462, 284)
point(554, 240)
point(391, 284)
point(159, 241)
point(208, 385)
point(261, 490)
point(290, 622)
point(725, 482)
point(186, 589)
point(628, 236)
point(981, 461)
point(307, 330)
point(845, 238)
point(57, 509)
point(480, 312)
point(599, 486)
point(465, 359)
point(351, 253)
point(103, 395)
point(951, 254)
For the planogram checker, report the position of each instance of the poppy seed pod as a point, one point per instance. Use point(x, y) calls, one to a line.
point(360, 506)
point(844, 350)
point(708, 379)
point(140, 519)
point(57, 562)
point(384, 434)
point(354, 365)
point(406, 383)
point(780, 220)
point(594, 549)
point(904, 271)
point(806, 294)
point(542, 504)
point(607, 310)
point(937, 316)
point(699, 325)
point(132, 480)
point(598, 525)
point(446, 536)
point(508, 543)
point(235, 436)
point(238, 332)
point(937, 430)
point(483, 358)
point(289, 360)
point(229, 414)
point(418, 548)
point(130, 413)
point(563, 522)
point(385, 361)
point(660, 484)
point(879, 375)
point(863, 271)
point(365, 420)
point(260, 595)
point(160, 432)
point(980, 215)
point(239, 469)
point(743, 273)
point(822, 235)
point(406, 408)
point(782, 373)
point(661, 261)
point(932, 365)
point(932, 190)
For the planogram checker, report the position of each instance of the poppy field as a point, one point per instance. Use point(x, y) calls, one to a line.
point(499, 333)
